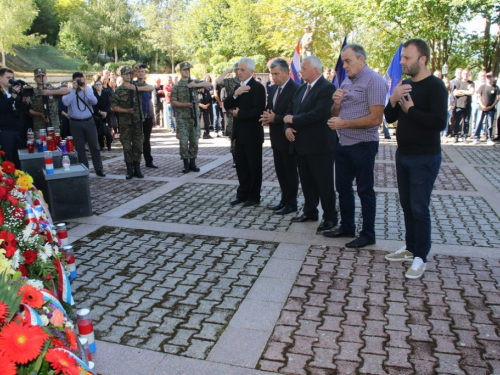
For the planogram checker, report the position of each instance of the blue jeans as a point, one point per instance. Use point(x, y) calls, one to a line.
point(356, 161)
point(490, 117)
point(416, 175)
point(170, 111)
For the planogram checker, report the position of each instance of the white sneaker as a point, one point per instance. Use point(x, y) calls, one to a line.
point(402, 255)
point(490, 142)
point(416, 269)
point(475, 142)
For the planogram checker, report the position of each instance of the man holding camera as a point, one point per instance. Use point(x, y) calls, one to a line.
point(45, 103)
point(10, 131)
point(79, 102)
point(127, 102)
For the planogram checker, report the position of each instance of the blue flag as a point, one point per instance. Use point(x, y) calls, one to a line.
point(395, 71)
point(340, 73)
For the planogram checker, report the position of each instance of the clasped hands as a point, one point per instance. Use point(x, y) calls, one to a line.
point(401, 96)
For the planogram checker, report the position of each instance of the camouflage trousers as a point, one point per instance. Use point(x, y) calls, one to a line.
point(37, 125)
point(229, 131)
point(132, 139)
point(188, 137)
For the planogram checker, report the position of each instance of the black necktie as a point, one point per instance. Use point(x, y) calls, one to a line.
point(277, 96)
point(307, 92)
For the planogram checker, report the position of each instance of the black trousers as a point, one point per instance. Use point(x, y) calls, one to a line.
point(208, 118)
point(288, 177)
point(11, 141)
point(147, 128)
point(249, 170)
point(316, 179)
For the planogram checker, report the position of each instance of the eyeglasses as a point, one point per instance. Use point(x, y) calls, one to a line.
point(97, 84)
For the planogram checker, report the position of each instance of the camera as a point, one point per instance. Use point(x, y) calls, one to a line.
point(25, 90)
point(80, 83)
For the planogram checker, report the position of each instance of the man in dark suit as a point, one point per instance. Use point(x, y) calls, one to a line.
point(313, 143)
point(280, 96)
point(248, 101)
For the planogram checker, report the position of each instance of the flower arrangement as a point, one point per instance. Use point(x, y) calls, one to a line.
point(37, 335)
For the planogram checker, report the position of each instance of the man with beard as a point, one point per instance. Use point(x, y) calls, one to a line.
point(419, 104)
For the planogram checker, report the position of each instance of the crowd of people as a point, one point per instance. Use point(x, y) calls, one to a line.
point(325, 136)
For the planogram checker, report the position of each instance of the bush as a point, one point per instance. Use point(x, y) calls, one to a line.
point(113, 67)
point(83, 67)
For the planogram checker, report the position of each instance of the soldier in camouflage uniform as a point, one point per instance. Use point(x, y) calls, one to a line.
point(188, 128)
point(43, 116)
point(229, 84)
point(126, 101)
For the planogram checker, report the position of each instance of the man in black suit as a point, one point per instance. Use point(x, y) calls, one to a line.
point(248, 101)
point(280, 96)
point(313, 143)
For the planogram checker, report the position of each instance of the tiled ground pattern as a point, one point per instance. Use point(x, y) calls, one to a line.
point(208, 204)
point(352, 312)
point(227, 172)
point(449, 177)
point(467, 221)
point(167, 167)
point(492, 174)
point(203, 149)
point(165, 292)
point(387, 151)
point(486, 155)
point(107, 193)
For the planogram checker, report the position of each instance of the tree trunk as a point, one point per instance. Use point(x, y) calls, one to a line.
point(3, 57)
point(172, 61)
point(116, 53)
point(496, 57)
point(486, 47)
point(156, 61)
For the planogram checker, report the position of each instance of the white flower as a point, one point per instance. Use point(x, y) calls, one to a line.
point(68, 324)
point(35, 284)
point(15, 259)
point(45, 320)
point(43, 256)
point(48, 250)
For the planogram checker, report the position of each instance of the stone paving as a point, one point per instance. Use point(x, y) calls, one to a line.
point(180, 282)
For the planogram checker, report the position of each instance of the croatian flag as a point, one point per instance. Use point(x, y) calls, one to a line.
point(340, 72)
point(295, 66)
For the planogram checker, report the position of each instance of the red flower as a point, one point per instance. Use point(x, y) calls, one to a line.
point(1, 216)
point(8, 367)
point(24, 271)
point(9, 183)
point(9, 243)
point(18, 213)
point(8, 167)
point(4, 313)
point(13, 201)
point(62, 362)
point(71, 337)
point(22, 343)
point(3, 192)
point(57, 343)
point(31, 296)
point(29, 256)
point(2, 153)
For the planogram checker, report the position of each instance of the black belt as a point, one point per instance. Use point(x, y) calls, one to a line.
point(81, 120)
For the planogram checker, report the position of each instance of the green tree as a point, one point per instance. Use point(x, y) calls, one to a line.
point(46, 22)
point(17, 18)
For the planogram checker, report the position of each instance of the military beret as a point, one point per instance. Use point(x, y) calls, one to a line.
point(125, 70)
point(40, 72)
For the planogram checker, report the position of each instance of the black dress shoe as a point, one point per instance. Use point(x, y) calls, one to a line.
point(302, 218)
point(327, 224)
point(100, 173)
point(285, 210)
point(339, 232)
point(277, 207)
point(360, 242)
point(151, 165)
point(250, 203)
point(236, 201)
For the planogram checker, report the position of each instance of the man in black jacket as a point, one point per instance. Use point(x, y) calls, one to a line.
point(280, 96)
point(248, 101)
point(313, 143)
point(10, 131)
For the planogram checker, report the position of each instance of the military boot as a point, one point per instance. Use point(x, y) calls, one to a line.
point(137, 169)
point(130, 171)
point(186, 166)
point(192, 166)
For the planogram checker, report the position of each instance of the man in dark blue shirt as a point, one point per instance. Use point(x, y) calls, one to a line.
point(147, 108)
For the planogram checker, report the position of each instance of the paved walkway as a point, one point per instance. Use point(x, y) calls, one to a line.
point(180, 282)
